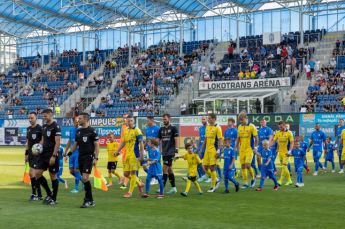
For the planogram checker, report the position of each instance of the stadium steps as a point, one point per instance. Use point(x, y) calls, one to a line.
point(75, 98)
point(106, 90)
point(186, 92)
point(220, 50)
point(324, 48)
point(34, 74)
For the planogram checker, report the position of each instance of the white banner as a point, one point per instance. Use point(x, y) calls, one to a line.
point(245, 84)
point(271, 38)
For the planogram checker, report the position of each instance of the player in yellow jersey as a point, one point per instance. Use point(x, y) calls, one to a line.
point(112, 146)
point(342, 137)
point(123, 152)
point(285, 141)
point(212, 145)
point(193, 161)
point(133, 142)
point(246, 145)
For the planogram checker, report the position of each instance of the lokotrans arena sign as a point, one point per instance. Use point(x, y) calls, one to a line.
point(245, 84)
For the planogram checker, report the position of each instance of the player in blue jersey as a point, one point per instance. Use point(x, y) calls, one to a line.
point(329, 156)
point(154, 167)
point(264, 133)
point(339, 143)
point(200, 151)
point(231, 132)
point(229, 168)
point(151, 133)
point(73, 156)
point(304, 145)
point(59, 174)
point(267, 168)
point(299, 155)
point(274, 150)
point(318, 137)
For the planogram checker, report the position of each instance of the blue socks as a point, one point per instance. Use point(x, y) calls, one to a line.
point(77, 179)
point(200, 170)
point(219, 172)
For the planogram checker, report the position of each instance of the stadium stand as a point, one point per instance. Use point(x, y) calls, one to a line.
point(264, 61)
point(326, 94)
point(159, 73)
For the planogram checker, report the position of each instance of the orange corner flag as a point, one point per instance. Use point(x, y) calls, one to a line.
point(99, 181)
point(26, 177)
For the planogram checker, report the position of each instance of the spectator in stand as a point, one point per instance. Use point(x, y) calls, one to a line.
point(312, 65)
point(183, 108)
point(263, 74)
point(263, 51)
point(307, 71)
point(279, 51)
point(258, 106)
point(273, 71)
point(337, 44)
point(293, 101)
point(212, 69)
point(227, 71)
point(240, 75)
point(231, 51)
point(333, 62)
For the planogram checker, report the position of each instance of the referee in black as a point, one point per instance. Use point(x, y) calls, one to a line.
point(168, 136)
point(48, 159)
point(33, 136)
point(87, 141)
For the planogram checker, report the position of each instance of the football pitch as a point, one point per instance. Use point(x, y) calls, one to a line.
point(320, 204)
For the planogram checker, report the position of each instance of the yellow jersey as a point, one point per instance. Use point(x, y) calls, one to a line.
point(283, 138)
point(193, 160)
point(132, 137)
point(342, 136)
point(212, 134)
point(123, 151)
point(112, 148)
point(245, 135)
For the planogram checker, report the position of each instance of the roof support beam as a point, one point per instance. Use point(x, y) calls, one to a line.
point(54, 12)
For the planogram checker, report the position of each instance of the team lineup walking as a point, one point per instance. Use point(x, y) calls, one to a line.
point(254, 149)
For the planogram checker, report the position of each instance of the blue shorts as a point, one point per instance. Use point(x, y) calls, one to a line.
point(73, 161)
point(331, 159)
point(228, 173)
point(61, 163)
point(340, 150)
point(201, 154)
point(317, 153)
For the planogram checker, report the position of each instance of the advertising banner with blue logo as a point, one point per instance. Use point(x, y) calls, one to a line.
point(103, 126)
point(328, 122)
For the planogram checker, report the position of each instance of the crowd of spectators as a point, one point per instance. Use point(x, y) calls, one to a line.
point(258, 62)
point(156, 73)
point(326, 94)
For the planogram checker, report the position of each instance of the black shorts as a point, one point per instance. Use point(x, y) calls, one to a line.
point(192, 179)
point(167, 160)
point(85, 163)
point(43, 163)
point(112, 165)
point(32, 159)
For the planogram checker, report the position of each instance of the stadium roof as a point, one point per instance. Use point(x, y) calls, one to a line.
point(24, 17)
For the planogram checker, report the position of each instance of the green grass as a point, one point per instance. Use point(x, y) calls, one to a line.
point(319, 204)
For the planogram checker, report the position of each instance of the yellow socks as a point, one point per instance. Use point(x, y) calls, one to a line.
point(132, 182)
point(187, 186)
point(287, 173)
point(245, 175)
point(110, 179)
point(208, 172)
point(197, 186)
point(213, 178)
point(251, 172)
